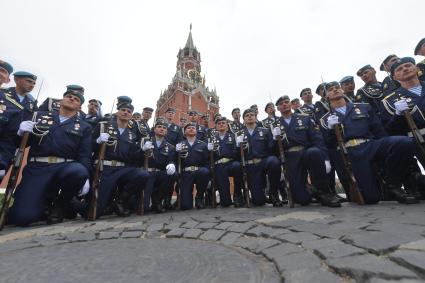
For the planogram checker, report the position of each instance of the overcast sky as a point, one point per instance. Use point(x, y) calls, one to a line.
point(251, 51)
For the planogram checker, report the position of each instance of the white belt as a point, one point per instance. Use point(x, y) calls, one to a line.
point(253, 161)
point(50, 159)
point(421, 131)
point(223, 160)
point(114, 163)
point(152, 169)
point(191, 168)
point(355, 142)
point(296, 148)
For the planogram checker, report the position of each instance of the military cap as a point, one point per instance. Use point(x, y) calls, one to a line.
point(389, 57)
point(192, 112)
point(295, 100)
point(95, 100)
point(235, 109)
point(219, 119)
point(270, 104)
point(217, 115)
point(123, 98)
point(160, 121)
point(331, 84)
point(303, 90)
point(254, 106)
point(319, 88)
point(282, 98)
point(419, 45)
point(137, 113)
point(249, 110)
point(346, 79)
point(170, 109)
point(189, 124)
point(125, 105)
point(76, 90)
point(23, 74)
point(364, 68)
point(400, 62)
point(149, 109)
point(6, 66)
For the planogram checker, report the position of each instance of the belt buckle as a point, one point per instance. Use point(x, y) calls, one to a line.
point(52, 159)
point(113, 163)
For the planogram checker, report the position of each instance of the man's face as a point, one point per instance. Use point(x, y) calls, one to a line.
point(93, 107)
point(146, 114)
point(204, 121)
point(221, 126)
point(250, 118)
point(25, 84)
point(124, 114)
point(295, 104)
point(236, 115)
point(307, 96)
point(183, 122)
point(390, 63)
point(160, 131)
point(422, 50)
point(4, 76)
point(270, 110)
point(71, 102)
point(335, 93)
point(137, 117)
point(348, 86)
point(255, 110)
point(368, 76)
point(405, 72)
point(190, 131)
point(169, 115)
point(193, 117)
point(284, 106)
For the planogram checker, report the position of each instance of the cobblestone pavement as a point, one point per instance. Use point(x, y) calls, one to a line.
point(381, 243)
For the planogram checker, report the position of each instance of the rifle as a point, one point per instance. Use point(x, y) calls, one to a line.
point(182, 154)
point(355, 194)
point(284, 167)
point(97, 177)
point(15, 168)
point(419, 140)
point(147, 155)
point(213, 183)
point(244, 176)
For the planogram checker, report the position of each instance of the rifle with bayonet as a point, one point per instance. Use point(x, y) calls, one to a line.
point(243, 145)
point(216, 148)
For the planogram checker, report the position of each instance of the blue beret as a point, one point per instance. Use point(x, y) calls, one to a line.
point(148, 109)
point(249, 110)
point(304, 90)
point(282, 98)
point(320, 87)
point(97, 101)
point(389, 57)
point(136, 113)
point(189, 124)
point(125, 105)
point(123, 98)
point(161, 121)
point(346, 79)
point(402, 61)
point(219, 119)
point(268, 105)
point(192, 112)
point(23, 74)
point(331, 84)
point(254, 106)
point(170, 109)
point(6, 66)
point(75, 90)
point(364, 68)
point(235, 109)
point(295, 100)
point(419, 45)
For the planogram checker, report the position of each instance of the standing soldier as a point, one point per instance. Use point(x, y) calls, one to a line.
point(146, 116)
point(420, 50)
point(201, 131)
point(295, 104)
point(235, 125)
point(223, 144)
point(366, 142)
point(271, 115)
point(308, 107)
point(348, 86)
point(194, 168)
point(389, 84)
point(259, 160)
point(371, 92)
point(58, 162)
point(321, 107)
point(137, 116)
point(94, 112)
point(174, 132)
point(305, 154)
point(25, 83)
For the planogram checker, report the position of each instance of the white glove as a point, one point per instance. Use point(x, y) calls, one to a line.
point(171, 169)
point(328, 166)
point(332, 121)
point(102, 138)
point(210, 146)
point(25, 126)
point(239, 140)
point(179, 147)
point(400, 106)
point(85, 189)
point(276, 132)
point(147, 146)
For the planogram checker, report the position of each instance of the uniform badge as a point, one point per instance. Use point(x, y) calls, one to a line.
point(76, 126)
point(2, 106)
point(261, 133)
point(300, 123)
point(230, 138)
point(130, 135)
point(357, 110)
point(385, 86)
point(166, 147)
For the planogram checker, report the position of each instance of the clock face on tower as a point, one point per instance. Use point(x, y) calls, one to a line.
point(194, 75)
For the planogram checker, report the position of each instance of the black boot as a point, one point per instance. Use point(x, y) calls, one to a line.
point(55, 215)
point(200, 202)
point(119, 207)
point(238, 201)
point(274, 199)
point(395, 192)
point(328, 199)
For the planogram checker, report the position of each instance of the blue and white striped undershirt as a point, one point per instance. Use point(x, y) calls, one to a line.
point(416, 90)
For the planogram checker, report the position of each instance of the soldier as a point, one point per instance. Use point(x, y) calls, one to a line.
point(174, 132)
point(235, 125)
point(308, 107)
point(119, 165)
point(146, 116)
point(321, 107)
point(259, 160)
point(255, 108)
point(94, 113)
point(305, 154)
point(348, 86)
point(161, 167)
point(366, 142)
point(137, 116)
point(223, 144)
point(295, 104)
point(420, 50)
point(5, 70)
point(58, 162)
point(388, 84)
point(371, 92)
point(201, 131)
point(194, 168)
point(271, 115)
point(21, 93)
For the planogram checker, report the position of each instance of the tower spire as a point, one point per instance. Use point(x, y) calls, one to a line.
point(189, 42)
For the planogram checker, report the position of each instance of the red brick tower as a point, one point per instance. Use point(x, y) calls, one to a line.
point(187, 90)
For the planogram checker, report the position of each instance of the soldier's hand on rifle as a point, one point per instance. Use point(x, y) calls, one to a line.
point(179, 147)
point(401, 106)
point(276, 132)
point(25, 126)
point(171, 169)
point(328, 166)
point(102, 138)
point(239, 140)
point(210, 146)
point(147, 146)
point(332, 121)
point(85, 189)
